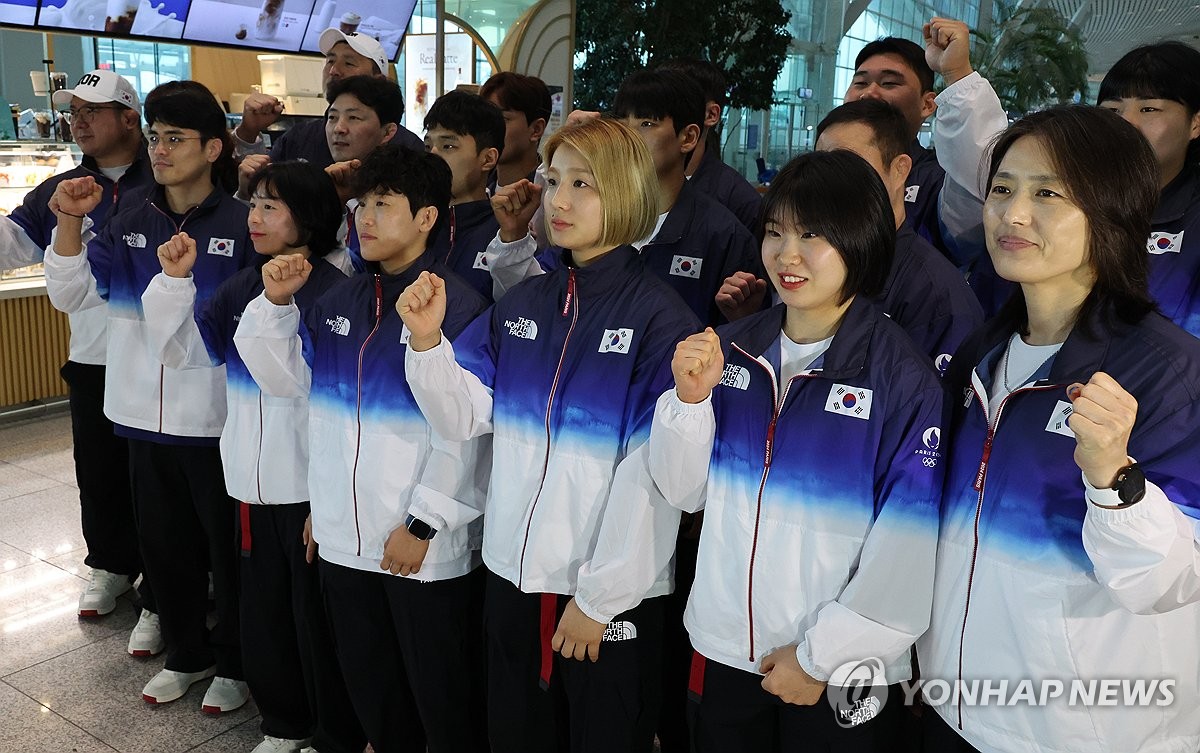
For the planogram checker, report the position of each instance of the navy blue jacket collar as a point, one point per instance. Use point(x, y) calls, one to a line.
point(138, 172)
point(1177, 196)
point(1081, 355)
point(847, 354)
point(603, 272)
point(471, 213)
point(679, 218)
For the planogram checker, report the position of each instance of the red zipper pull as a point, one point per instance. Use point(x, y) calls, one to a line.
point(570, 292)
point(450, 252)
point(378, 298)
point(770, 442)
point(983, 461)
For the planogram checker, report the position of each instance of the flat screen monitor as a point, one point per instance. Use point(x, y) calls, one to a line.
point(276, 25)
point(132, 18)
point(386, 21)
point(268, 25)
point(18, 12)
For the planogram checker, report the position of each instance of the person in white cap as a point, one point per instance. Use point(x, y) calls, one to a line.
point(105, 116)
point(346, 55)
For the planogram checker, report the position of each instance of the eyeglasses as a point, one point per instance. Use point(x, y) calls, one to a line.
point(169, 142)
point(86, 114)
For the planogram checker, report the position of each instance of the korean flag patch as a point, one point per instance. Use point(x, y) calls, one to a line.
point(849, 401)
point(1165, 243)
point(220, 246)
point(480, 261)
point(616, 341)
point(1058, 419)
point(686, 266)
point(910, 194)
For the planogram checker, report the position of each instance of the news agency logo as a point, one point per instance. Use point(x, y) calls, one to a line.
point(857, 691)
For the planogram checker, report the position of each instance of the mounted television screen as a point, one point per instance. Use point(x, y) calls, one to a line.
point(267, 25)
point(277, 25)
point(386, 21)
point(18, 12)
point(130, 18)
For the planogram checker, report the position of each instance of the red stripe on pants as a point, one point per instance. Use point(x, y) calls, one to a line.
point(247, 539)
point(696, 677)
point(548, 616)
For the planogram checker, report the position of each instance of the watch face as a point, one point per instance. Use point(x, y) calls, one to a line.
point(1131, 484)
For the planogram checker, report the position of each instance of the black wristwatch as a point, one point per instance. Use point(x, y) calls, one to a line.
point(1130, 487)
point(419, 528)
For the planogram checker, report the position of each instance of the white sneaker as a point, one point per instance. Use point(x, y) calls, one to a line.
point(281, 745)
point(169, 685)
point(146, 638)
point(100, 596)
point(225, 695)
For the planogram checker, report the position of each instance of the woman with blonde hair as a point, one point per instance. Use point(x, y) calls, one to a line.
point(564, 374)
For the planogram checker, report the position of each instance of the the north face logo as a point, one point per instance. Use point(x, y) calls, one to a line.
point(619, 631)
point(135, 240)
point(735, 376)
point(339, 326)
point(526, 329)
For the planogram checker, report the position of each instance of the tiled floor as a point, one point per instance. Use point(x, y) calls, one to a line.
point(67, 684)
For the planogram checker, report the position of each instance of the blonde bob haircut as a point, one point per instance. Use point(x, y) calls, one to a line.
point(624, 171)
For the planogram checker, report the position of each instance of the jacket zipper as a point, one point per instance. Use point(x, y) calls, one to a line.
point(570, 306)
point(258, 461)
point(980, 486)
point(162, 370)
point(450, 252)
point(768, 456)
point(358, 413)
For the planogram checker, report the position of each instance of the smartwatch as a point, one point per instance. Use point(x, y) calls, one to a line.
point(419, 528)
point(1130, 487)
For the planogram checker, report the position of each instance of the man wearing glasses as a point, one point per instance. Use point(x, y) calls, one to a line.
point(171, 417)
point(105, 115)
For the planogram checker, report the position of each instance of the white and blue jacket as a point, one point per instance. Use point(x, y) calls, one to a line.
point(27, 232)
point(820, 496)
point(564, 372)
point(372, 457)
point(143, 398)
point(1034, 582)
point(264, 445)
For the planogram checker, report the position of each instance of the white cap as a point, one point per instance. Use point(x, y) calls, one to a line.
point(363, 44)
point(101, 86)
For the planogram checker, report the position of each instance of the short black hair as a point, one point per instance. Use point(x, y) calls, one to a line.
point(886, 122)
point(189, 104)
point(379, 94)
point(911, 52)
point(661, 94)
point(1111, 175)
point(422, 177)
point(840, 197)
point(524, 94)
point(468, 115)
point(710, 78)
point(1167, 70)
point(310, 196)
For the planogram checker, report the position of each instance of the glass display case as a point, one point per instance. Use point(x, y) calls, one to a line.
point(23, 165)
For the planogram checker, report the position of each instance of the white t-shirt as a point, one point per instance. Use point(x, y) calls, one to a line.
point(657, 226)
point(114, 173)
point(795, 358)
point(1019, 362)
